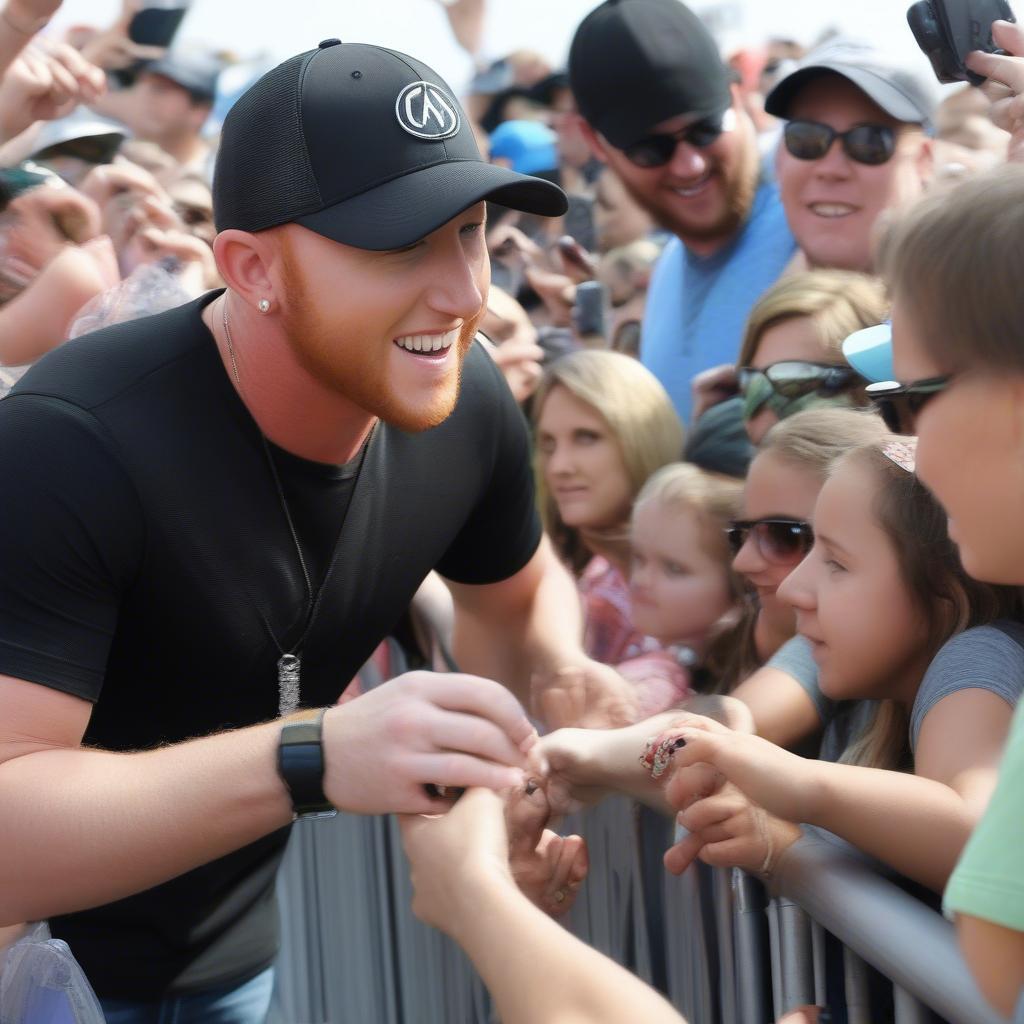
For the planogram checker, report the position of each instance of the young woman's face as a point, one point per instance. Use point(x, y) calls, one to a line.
point(970, 454)
point(679, 590)
point(850, 599)
point(582, 463)
point(775, 489)
point(794, 339)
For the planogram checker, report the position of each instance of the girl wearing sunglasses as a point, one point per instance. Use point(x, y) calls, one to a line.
point(792, 358)
point(895, 623)
point(954, 267)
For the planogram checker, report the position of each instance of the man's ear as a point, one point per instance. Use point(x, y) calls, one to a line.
point(244, 261)
point(595, 141)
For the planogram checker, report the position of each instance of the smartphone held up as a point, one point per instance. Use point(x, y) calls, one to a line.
point(948, 30)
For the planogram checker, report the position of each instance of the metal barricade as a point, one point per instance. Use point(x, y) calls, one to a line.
point(352, 950)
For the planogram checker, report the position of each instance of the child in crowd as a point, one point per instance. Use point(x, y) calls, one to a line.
point(792, 357)
point(893, 618)
point(683, 592)
point(603, 426)
point(780, 699)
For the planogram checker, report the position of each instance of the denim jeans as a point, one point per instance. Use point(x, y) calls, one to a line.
point(247, 1003)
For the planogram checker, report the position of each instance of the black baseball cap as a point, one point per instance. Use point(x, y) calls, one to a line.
point(635, 63)
point(363, 145)
point(898, 90)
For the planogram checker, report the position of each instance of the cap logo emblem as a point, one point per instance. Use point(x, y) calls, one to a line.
point(425, 111)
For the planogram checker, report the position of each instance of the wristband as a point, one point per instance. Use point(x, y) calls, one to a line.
point(300, 763)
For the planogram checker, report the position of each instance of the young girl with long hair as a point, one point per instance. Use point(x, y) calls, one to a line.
point(892, 617)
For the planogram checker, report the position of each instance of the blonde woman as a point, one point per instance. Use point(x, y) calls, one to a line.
point(603, 425)
point(792, 358)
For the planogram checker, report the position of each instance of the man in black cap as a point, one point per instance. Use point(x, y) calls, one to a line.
point(663, 111)
point(213, 515)
point(855, 145)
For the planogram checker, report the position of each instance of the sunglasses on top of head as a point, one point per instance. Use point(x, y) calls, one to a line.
point(899, 404)
point(657, 149)
point(781, 541)
point(871, 144)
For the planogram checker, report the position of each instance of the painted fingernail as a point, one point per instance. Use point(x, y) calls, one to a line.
point(532, 785)
point(678, 743)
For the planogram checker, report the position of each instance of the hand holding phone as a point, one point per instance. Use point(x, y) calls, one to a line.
point(1004, 86)
point(948, 30)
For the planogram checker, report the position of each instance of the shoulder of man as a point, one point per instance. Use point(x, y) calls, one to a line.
point(98, 366)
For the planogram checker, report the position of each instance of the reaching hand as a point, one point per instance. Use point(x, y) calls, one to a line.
point(46, 219)
point(727, 829)
point(712, 386)
point(112, 49)
point(43, 83)
point(589, 695)
point(383, 748)
point(29, 16)
point(781, 782)
point(547, 867)
point(1005, 85)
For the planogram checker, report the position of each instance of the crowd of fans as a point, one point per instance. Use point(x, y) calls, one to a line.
point(816, 618)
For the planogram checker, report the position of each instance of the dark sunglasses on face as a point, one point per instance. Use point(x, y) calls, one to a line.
point(899, 404)
point(780, 541)
point(656, 150)
point(796, 378)
point(871, 144)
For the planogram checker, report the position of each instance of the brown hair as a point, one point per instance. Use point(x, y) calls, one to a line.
point(955, 261)
point(837, 302)
point(639, 414)
point(948, 600)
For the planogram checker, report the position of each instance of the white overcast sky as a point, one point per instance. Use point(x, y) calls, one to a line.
point(280, 28)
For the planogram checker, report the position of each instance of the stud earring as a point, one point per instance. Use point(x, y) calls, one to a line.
point(263, 305)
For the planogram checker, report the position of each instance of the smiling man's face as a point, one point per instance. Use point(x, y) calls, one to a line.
point(833, 204)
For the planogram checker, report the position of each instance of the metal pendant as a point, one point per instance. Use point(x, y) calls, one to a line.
point(288, 668)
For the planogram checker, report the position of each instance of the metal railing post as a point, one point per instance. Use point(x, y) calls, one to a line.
point(797, 955)
point(749, 928)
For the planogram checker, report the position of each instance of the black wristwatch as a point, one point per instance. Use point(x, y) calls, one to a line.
point(300, 763)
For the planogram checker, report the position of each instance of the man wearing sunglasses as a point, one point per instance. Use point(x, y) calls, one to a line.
point(854, 145)
point(663, 111)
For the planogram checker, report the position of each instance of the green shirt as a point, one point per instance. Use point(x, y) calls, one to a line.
point(988, 881)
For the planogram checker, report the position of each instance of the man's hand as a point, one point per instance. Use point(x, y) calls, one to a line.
point(783, 783)
point(588, 695)
point(45, 220)
point(1005, 85)
point(383, 748)
point(45, 83)
point(547, 867)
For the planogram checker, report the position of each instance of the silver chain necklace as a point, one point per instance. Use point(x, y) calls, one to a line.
point(289, 665)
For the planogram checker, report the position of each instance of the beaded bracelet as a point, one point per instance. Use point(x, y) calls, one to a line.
point(658, 751)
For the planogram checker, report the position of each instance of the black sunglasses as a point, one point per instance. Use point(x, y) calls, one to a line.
point(871, 144)
point(656, 150)
point(795, 378)
point(899, 404)
point(780, 541)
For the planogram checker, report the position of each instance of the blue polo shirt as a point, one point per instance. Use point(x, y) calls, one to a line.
point(697, 306)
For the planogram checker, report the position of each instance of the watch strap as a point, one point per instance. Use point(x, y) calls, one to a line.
point(300, 763)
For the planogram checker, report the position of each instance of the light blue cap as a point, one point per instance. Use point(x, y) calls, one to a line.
point(869, 352)
point(529, 146)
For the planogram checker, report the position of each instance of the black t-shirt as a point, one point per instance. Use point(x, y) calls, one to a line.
point(145, 553)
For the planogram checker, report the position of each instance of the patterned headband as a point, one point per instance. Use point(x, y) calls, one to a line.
point(903, 453)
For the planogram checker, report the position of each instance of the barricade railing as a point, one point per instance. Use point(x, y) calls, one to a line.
point(712, 939)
